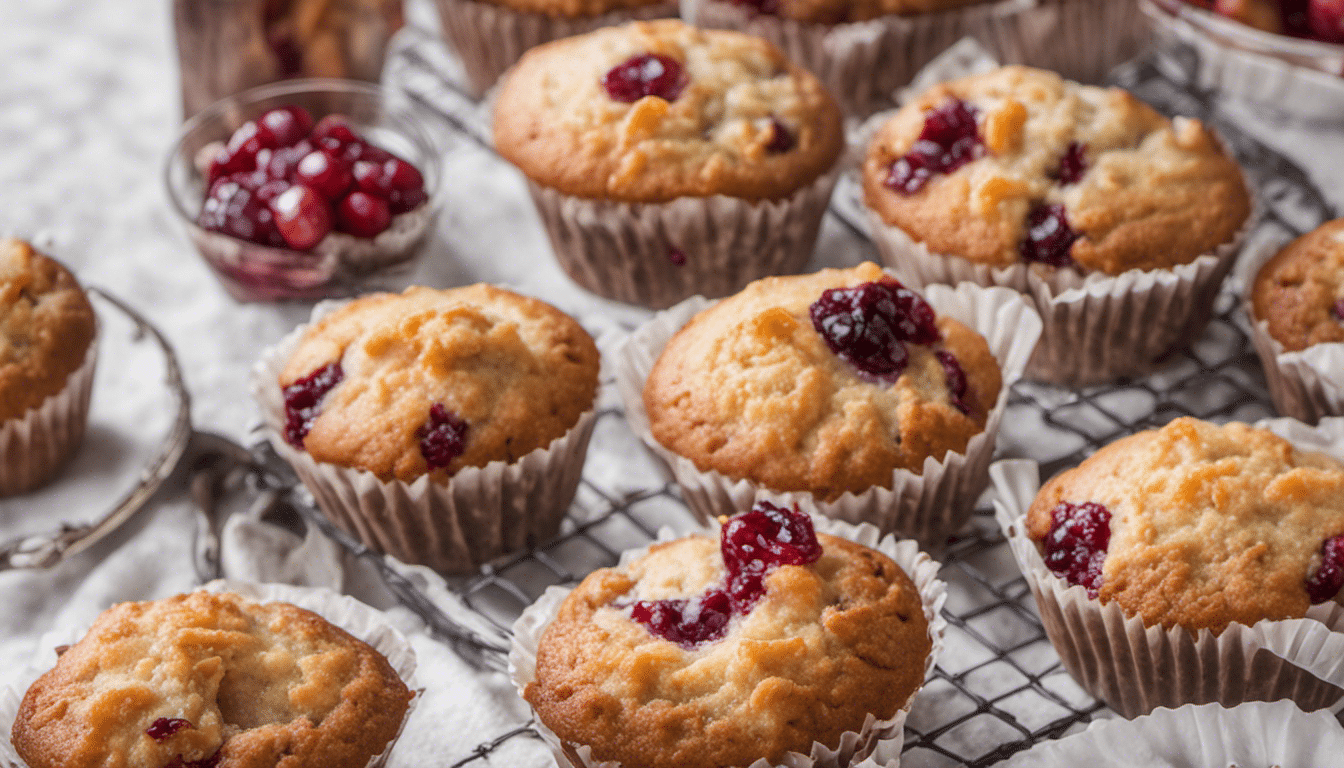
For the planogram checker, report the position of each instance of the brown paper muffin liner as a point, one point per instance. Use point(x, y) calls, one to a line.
point(927, 506)
point(479, 514)
point(489, 37)
point(36, 445)
point(1080, 39)
point(1135, 669)
point(1097, 327)
point(360, 620)
point(656, 254)
point(876, 743)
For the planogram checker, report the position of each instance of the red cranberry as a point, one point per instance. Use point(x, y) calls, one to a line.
point(956, 380)
point(1339, 310)
point(285, 160)
point(1075, 547)
point(1073, 164)
point(302, 216)
point(1049, 236)
point(781, 138)
point(251, 138)
point(329, 176)
point(1326, 20)
point(227, 164)
point(676, 256)
point(949, 140)
point(1324, 584)
point(336, 127)
point(866, 325)
point(272, 189)
point(756, 542)
point(442, 438)
point(236, 211)
point(399, 201)
point(649, 74)
point(303, 401)
point(166, 726)
point(286, 124)
point(363, 215)
point(384, 178)
point(687, 623)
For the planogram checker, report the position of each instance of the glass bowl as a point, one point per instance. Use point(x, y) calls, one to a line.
point(341, 264)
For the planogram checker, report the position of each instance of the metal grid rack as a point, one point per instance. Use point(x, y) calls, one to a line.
point(999, 687)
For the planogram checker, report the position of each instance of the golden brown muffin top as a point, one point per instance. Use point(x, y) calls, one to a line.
point(573, 9)
point(518, 371)
point(1154, 193)
point(1209, 524)
point(256, 682)
point(1300, 292)
point(559, 125)
point(46, 327)
point(750, 389)
point(839, 11)
point(829, 643)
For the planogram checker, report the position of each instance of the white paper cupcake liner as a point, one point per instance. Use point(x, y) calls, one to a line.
point(479, 514)
point(1135, 669)
point(656, 254)
point(1204, 736)
point(926, 506)
point(36, 445)
point(1097, 327)
point(349, 614)
point(1080, 39)
point(490, 38)
point(877, 743)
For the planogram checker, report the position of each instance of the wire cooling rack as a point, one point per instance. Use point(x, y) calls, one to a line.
point(999, 687)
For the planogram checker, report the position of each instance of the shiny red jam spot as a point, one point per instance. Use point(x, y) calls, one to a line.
point(166, 726)
point(866, 325)
point(1324, 584)
point(1049, 236)
point(949, 140)
point(956, 380)
point(687, 623)
point(1075, 547)
point(303, 400)
point(442, 438)
point(1339, 310)
point(1072, 165)
point(676, 256)
point(649, 74)
point(363, 215)
point(781, 138)
point(302, 216)
point(287, 125)
point(329, 176)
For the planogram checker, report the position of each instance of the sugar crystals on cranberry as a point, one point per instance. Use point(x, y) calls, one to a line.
point(1324, 583)
point(165, 727)
point(442, 438)
point(1049, 237)
point(648, 74)
point(1075, 547)
point(303, 400)
point(949, 140)
point(865, 325)
point(956, 380)
point(1072, 165)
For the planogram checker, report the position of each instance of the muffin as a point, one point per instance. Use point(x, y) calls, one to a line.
point(47, 355)
point(768, 641)
point(212, 679)
point(842, 388)
point(443, 427)
point(1017, 177)
point(667, 161)
point(1165, 560)
point(1297, 313)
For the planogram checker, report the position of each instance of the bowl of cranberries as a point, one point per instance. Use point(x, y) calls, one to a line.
point(306, 189)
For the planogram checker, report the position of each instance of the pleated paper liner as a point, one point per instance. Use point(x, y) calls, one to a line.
point(656, 254)
point(1136, 669)
point(349, 614)
point(36, 445)
point(926, 506)
point(876, 743)
point(479, 514)
point(490, 37)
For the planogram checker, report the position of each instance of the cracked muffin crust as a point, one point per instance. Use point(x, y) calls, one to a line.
point(1053, 171)
point(735, 118)
point(1206, 525)
point(751, 389)
point(828, 643)
point(212, 680)
point(1300, 291)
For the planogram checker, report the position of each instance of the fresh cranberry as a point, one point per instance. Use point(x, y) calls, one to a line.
point(345, 151)
point(166, 726)
point(1073, 164)
point(384, 178)
point(956, 380)
point(781, 138)
point(648, 74)
point(251, 138)
point(227, 164)
point(1339, 310)
point(399, 201)
point(866, 325)
point(302, 216)
point(687, 623)
point(363, 215)
point(1075, 547)
point(676, 256)
point(237, 211)
point(272, 189)
point(1049, 236)
point(949, 140)
point(285, 160)
point(1326, 20)
point(336, 127)
point(303, 400)
point(329, 176)
point(1324, 584)
point(442, 438)
point(286, 124)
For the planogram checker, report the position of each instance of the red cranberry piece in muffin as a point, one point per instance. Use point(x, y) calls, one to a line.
point(1075, 547)
point(303, 400)
point(443, 438)
point(648, 74)
point(950, 139)
point(1324, 583)
point(1049, 236)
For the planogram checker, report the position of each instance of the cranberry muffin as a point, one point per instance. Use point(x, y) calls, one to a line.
point(47, 352)
point(212, 679)
point(667, 160)
point(441, 426)
point(705, 653)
